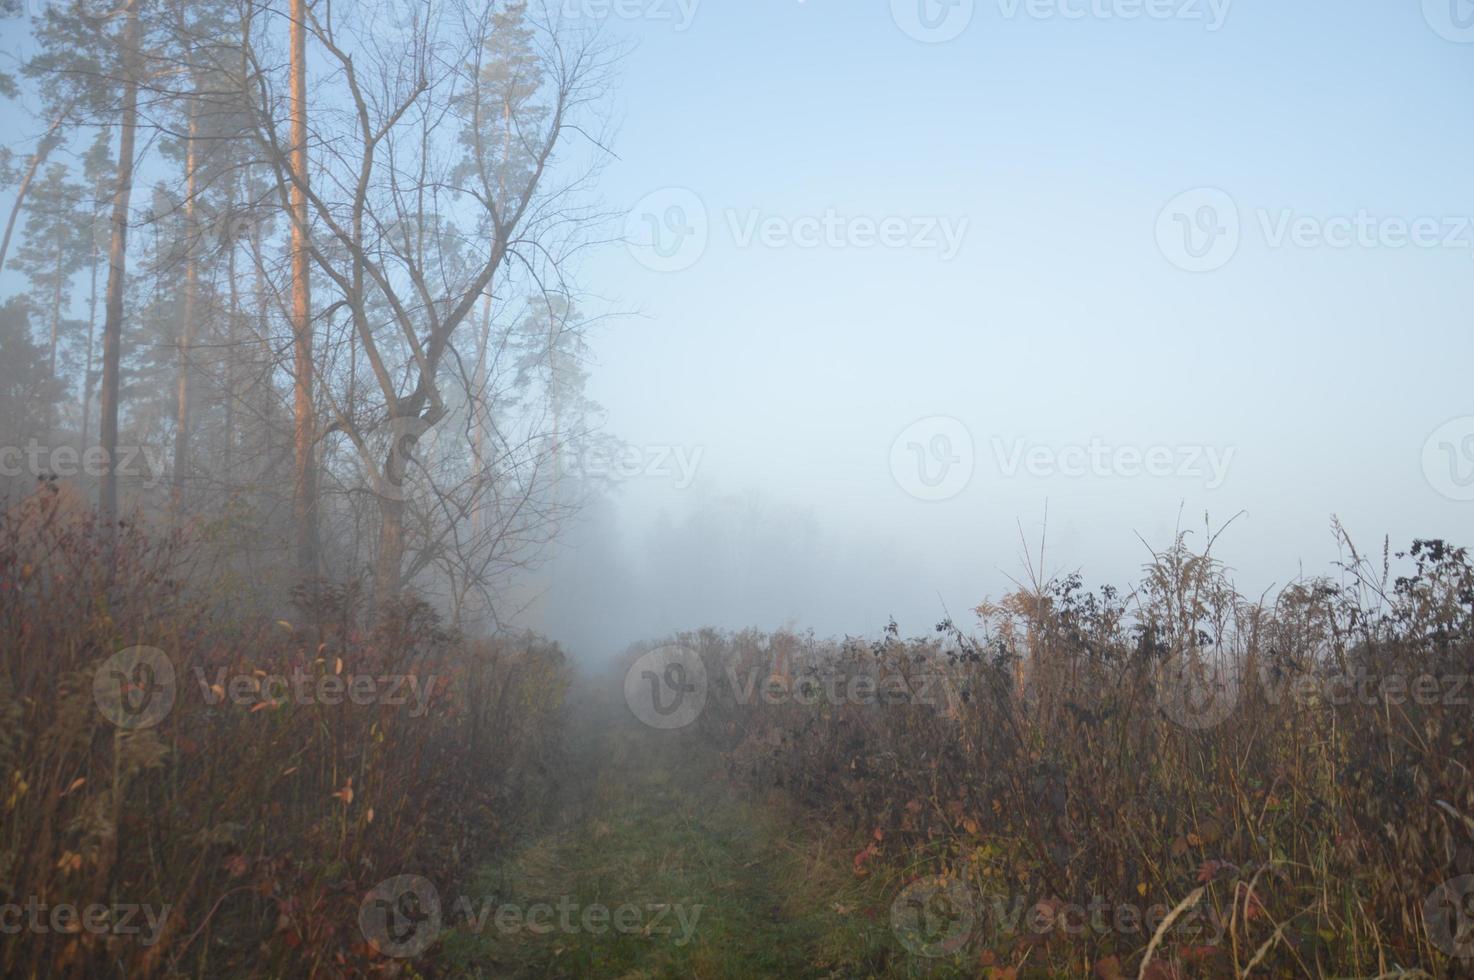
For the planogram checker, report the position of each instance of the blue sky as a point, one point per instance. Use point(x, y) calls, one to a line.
point(1060, 141)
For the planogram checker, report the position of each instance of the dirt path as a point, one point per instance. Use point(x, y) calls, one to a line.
point(659, 868)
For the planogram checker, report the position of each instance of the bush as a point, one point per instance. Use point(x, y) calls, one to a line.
point(1292, 773)
point(272, 794)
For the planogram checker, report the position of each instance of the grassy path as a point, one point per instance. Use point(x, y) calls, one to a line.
point(659, 868)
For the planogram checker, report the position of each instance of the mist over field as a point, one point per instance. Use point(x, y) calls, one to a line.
point(668, 488)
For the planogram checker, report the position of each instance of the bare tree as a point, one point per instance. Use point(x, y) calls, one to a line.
point(428, 179)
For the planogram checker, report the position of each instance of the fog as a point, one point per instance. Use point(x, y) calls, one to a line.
point(736, 488)
point(759, 325)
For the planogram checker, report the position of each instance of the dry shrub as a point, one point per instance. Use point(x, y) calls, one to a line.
point(1302, 759)
point(258, 816)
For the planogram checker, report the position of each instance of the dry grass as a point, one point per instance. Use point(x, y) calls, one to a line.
point(1302, 831)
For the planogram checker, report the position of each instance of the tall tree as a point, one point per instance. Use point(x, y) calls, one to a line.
point(304, 412)
point(117, 278)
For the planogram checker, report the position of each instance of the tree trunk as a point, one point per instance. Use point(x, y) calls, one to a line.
point(91, 338)
point(112, 330)
point(191, 294)
point(304, 442)
point(391, 548)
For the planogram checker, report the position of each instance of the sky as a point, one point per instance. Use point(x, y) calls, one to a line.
point(912, 286)
point(1312, 335)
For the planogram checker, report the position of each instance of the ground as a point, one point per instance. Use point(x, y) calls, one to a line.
point(705, 879)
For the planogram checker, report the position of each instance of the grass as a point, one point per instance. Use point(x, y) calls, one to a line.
point(654, 823)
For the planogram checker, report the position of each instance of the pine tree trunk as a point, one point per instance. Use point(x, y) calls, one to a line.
point(112, 330)
point(191, 294)
point(304, 442)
